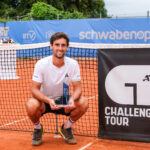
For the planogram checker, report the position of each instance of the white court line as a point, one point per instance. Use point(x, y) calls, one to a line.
point(7, 124)
point(14, 122)
point(92, 97)
point(89, 144)
point(84, 147)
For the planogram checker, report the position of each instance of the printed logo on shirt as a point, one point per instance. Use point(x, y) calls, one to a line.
point(66, 75)
point(35, 76)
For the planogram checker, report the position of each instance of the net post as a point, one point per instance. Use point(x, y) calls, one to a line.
point(57, 133)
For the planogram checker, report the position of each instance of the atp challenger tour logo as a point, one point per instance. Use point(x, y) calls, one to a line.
point(128, 86)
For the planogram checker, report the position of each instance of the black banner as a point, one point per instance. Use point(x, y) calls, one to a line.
point(124, 94)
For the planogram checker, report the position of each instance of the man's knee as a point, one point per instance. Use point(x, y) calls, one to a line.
point(83, 104)
point(32, 106)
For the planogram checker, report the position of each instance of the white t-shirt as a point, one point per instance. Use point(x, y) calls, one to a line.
point(53, 78)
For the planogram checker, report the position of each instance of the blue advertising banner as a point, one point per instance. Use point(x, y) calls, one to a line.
point(105, 31)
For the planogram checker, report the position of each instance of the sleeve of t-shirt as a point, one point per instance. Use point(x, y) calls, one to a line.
point(76, 74)
point(37, 75)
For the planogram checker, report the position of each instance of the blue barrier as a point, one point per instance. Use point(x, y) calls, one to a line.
point(46, 51)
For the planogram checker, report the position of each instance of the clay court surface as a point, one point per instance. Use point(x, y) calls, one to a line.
point(12, 140)
point(14, 94)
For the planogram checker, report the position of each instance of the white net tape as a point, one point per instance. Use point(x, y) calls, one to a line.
point(75, 45)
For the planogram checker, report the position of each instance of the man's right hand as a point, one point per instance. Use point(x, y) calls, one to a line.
point(53, 105)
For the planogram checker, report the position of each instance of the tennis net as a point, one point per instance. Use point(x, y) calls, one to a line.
point(16, 70)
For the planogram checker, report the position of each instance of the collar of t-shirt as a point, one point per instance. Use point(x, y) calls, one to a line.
point(55, 67)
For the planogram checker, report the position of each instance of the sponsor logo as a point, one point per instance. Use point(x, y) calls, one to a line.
point(115, 35)
point(129, 84)
point(49, 34)
point(29, 36)
point(66, 75)
point(4, 31)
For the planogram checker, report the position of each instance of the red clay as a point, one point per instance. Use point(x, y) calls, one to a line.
point(15, 93)
point(12, 140)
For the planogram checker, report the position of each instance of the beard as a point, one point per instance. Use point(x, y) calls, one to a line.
point(59, 56)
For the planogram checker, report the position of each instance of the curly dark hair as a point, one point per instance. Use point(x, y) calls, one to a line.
point(59, 35)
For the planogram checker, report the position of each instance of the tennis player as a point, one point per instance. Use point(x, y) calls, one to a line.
point(50, 75)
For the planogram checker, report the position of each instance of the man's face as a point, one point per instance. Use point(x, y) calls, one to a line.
point(59, 48)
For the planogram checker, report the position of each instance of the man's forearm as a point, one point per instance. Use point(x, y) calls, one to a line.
point(36, 93)
point(77, 93)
